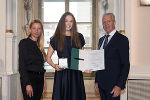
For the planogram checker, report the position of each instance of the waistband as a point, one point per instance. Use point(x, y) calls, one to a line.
point(36, 73)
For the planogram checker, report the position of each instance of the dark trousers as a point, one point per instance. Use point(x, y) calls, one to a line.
point(37, 82)
point(105, 95)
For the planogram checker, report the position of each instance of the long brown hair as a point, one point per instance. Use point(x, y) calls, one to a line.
point(60, 32)
point(40, 41)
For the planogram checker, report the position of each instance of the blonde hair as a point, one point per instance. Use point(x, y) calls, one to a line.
point(40, 41)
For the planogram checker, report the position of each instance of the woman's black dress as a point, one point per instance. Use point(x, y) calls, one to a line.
point(68, 84)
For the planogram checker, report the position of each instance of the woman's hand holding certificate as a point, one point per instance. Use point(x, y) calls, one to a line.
point(63, 63)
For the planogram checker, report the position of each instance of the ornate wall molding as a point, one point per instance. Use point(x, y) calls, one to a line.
point(112, 6)
point(28, 15)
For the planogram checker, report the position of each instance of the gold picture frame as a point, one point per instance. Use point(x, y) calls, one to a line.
point(144, 2)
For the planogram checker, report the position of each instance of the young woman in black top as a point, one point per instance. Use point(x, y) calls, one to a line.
point(31, 62)
point(68, 84)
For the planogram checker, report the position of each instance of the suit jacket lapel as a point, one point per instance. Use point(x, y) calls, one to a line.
point(113, 39)
point(109, 43)
point(100, 42)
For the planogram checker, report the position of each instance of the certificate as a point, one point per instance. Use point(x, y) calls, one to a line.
point(87, 59)
point(93, 60)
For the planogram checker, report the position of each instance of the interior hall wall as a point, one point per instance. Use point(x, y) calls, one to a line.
point(140, 34)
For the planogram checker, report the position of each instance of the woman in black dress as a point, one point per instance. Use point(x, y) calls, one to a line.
point(68, 84)
point(31, 62)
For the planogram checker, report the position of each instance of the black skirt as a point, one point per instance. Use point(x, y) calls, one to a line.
point(68, 85)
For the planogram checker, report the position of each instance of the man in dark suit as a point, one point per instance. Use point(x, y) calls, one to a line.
point(112, 80)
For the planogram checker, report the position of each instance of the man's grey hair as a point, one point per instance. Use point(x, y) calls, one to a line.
point(111, 14)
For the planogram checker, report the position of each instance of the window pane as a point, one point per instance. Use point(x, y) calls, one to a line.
point(86, 30)
point(82, 10)
point(49, 30)
point(53, 9)
point(48, 67)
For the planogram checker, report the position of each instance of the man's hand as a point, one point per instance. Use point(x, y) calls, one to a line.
point(29, 90)
point(88, 71)
point(96, 87)
point(116, 91)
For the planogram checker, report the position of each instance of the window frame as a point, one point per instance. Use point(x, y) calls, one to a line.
point(94, 23)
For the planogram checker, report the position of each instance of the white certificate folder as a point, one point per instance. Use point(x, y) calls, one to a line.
point(87, 60)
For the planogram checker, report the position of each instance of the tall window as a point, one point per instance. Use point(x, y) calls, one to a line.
point(83, 11)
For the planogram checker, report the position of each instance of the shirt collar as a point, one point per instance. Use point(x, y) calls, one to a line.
point(112, 33)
